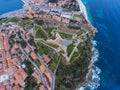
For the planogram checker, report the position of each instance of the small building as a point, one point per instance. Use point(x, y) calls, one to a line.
point(27, 49)
point(20, 76)
point(41, 87)
point(6, 44)
point(42, 68)
point(33, 55)
point(46, 58)
point(65, 20)
point(34, 74)
point(27, 35)
point(57, 18)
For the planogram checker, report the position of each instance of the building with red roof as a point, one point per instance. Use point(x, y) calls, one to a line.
point(46, 58)
point(33, 55)
point(27, 49)
point(20, 76)
point(6, 44)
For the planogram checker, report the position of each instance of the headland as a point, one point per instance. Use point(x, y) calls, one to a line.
point(55, 39)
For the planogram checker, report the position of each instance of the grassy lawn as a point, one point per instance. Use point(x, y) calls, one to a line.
point(69, 49)
point(37, 62)
point(25, 23)
point(14, 19)
point(65, 35)
point(77, 16)
point(42, 48)
point(79, 33)
point(48, 31)
point(80, 48)
point(40, 34)
point(76, 55)
point(54, 61)
point(36, 27)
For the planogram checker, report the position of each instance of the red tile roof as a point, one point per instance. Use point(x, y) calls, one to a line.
point(46, 58)
point(20, 76)
point(41, 88)
point(33, 55)
point(42, 68)
point(27, 49)
point(6, 44)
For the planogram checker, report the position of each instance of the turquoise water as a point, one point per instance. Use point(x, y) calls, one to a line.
point(10, 5)
point(105, 16)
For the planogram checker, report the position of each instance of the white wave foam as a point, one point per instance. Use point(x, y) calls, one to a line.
point(94, 82)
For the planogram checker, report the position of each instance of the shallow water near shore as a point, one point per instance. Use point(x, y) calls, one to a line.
point(105, 16)
point(10, 5)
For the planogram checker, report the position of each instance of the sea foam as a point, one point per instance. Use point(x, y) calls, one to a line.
point(94, 82)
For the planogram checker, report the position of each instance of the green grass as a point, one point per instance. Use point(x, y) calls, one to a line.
point(37, 62)
point(40, 34)
point(14, 19)
point(76, 55)
point(25, 23)
point(42, 48)
point(30, 67)
point(80, 32)
point(65, 35)
point(55, 58)
point(77, 16)
point(80, 48)
point(48, 31)
point(69, 49)
point(36, 27)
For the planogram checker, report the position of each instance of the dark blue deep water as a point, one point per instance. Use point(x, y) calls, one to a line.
point(10, 5)
point(105, 16)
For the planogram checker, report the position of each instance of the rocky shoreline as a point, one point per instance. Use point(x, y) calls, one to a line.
point(21, 12)
point(91, 67)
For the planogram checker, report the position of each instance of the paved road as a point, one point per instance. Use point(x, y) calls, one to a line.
point(23, 37)
point(38, 70)
point(42, 62)
point(51, 73)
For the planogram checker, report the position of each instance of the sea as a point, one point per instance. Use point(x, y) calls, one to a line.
point(105, 17)
point(10, 5)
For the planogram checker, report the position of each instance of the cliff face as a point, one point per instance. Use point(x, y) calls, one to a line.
point(73, 75)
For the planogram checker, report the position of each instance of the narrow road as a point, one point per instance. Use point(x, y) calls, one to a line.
point(38, 70)
point(51, 73)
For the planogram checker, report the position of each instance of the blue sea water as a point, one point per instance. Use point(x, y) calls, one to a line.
point(10, 5)
point(105, 16)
